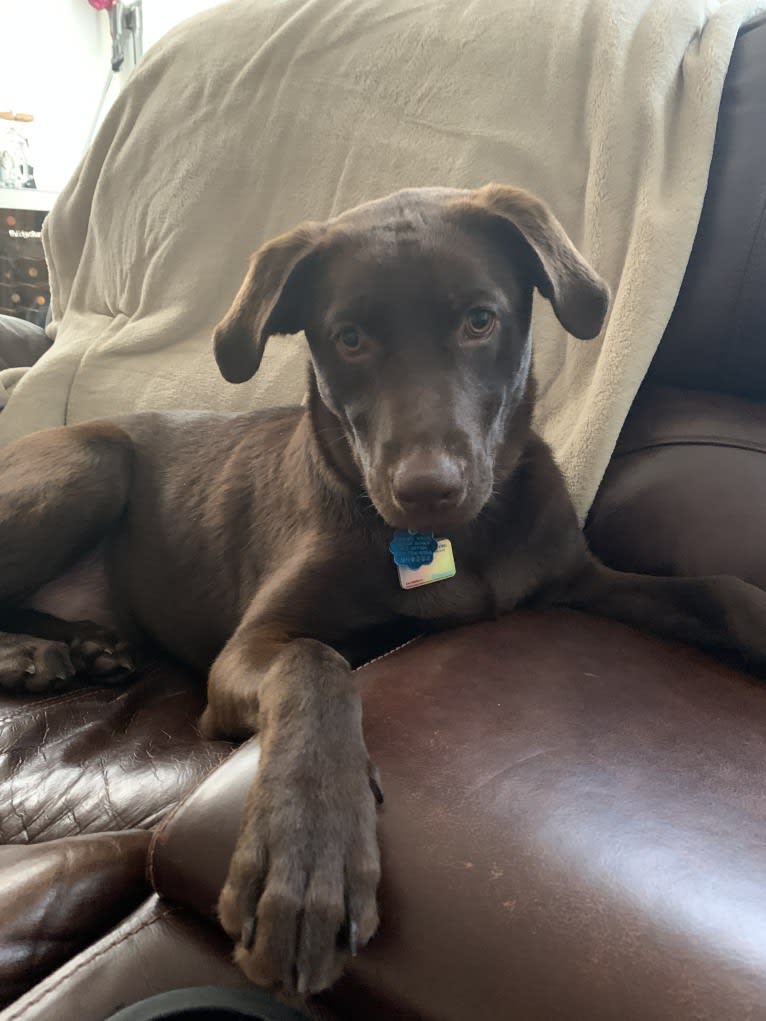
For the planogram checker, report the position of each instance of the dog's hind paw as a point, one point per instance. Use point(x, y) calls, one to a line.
point(100, 654)
point(34, 665)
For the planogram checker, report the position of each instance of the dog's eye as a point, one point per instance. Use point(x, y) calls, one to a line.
point(350, 339)
point(479, 323)
point(350, 342)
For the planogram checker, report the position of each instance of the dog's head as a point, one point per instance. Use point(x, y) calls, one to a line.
point(417, 311)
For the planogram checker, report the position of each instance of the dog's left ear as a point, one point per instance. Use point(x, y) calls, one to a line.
point(270, 301)
point(580, 298)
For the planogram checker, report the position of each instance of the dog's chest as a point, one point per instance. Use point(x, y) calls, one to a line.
point(467, 595)
point(483, 586)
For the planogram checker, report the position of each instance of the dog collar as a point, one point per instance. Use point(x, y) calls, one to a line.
point(421, 559)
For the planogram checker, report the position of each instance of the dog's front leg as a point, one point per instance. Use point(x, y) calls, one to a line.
point(721, 614)
point(301, 887)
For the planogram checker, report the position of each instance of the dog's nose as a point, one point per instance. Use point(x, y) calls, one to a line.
point(428, 484)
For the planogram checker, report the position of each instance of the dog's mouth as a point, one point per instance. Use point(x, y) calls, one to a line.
point(428, 522)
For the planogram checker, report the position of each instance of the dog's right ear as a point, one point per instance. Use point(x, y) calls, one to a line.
point(270, 301)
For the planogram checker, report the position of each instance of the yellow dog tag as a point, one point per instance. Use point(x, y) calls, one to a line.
point(441, 567)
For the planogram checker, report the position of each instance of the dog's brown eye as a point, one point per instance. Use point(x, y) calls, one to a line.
point(479, 323)
point(349, 341)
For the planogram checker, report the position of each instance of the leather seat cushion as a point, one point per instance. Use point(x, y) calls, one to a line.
point(98, 760)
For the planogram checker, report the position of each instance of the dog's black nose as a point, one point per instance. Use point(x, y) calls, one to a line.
point(427, 484)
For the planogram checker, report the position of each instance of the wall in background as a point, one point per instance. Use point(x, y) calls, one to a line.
point(55, 64)
point(161, 15)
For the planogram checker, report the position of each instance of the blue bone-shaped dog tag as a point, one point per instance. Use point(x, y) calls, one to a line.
point(412, 549)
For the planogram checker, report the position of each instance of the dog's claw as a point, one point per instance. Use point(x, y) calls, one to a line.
point(31, 669)
point(376, 789)
point(248, 933)
point(353, 938)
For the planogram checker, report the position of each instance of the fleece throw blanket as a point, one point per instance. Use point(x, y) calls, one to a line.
point(260, 113)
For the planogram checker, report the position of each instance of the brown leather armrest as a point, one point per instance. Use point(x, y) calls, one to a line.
point(574, 827)
point(155, 949)
point(57, 897)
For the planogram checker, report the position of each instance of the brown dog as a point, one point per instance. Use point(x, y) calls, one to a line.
point(259, 543)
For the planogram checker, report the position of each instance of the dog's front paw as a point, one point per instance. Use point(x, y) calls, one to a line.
point(301, 889)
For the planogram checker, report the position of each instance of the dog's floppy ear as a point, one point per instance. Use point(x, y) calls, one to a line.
point(269, 301)
point(580, 298)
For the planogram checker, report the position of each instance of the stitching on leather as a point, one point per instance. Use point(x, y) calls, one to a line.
point(385, 655)
point(50, 989)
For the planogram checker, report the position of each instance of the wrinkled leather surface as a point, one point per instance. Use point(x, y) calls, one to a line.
point(155, 949)
point(574, 825)
point(101, 759)
point(685, 492)
point(57, 897)
point(715, 337)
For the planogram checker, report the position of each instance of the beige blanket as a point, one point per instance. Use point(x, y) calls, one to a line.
point(259, 113)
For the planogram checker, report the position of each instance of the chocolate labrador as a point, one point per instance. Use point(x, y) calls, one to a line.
point(258, 546)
